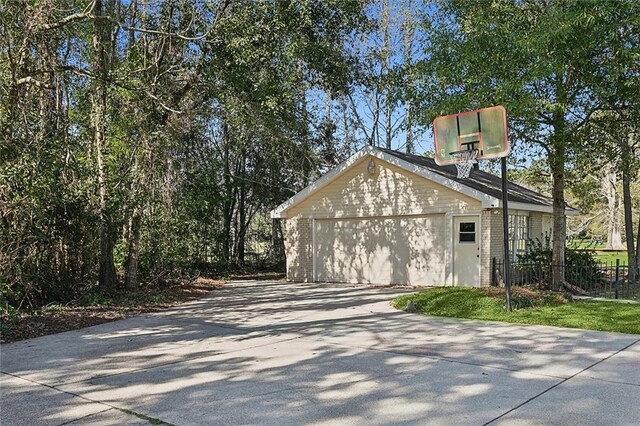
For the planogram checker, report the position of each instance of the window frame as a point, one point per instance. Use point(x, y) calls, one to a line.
point(461, 233)
point(519, 233)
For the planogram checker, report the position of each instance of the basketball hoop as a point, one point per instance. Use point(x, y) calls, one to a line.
point(459, 139)
point(465, 161)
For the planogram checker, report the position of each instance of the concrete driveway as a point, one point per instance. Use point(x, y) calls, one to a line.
point(276, 353)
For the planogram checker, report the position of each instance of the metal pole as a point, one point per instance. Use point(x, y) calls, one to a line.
point(493, 271)
point(505, 231)
point(617, 276)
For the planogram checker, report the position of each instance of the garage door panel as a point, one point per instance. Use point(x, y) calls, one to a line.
point(407, 250)
point(341, 252)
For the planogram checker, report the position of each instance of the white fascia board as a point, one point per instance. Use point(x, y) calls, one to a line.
point(538, 208)
point(528, 207)
point(572, 212)
point(277, 213)
point(487, 200)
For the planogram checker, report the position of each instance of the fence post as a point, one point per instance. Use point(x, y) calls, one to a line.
point(617, 276)
point(493, 271)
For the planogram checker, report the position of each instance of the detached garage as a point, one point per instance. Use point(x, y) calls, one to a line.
point(385, 217)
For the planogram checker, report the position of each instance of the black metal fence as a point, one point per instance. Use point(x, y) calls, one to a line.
point(607, 280)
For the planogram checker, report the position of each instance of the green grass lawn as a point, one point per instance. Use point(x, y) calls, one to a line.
point(530, 308)
point(609, 257)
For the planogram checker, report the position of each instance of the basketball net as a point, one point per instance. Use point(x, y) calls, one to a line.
point(466, 161)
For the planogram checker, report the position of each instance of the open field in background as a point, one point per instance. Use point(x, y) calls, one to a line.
point(610, 257)
point(603, 255)
point(587, 244)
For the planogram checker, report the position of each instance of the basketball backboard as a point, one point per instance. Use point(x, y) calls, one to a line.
point(484, 130)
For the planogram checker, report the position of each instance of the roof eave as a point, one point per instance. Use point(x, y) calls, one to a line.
point(280, 211)
point(487, 201)
point(538, 208)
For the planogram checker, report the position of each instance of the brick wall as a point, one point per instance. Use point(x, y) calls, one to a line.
point(299, 249)
point(492, 242)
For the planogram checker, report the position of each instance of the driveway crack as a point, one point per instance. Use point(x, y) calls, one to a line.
point(85, 417)
point(561, 382)
point(151, 420)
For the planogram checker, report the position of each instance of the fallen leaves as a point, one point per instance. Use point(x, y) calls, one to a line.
point(56, 319)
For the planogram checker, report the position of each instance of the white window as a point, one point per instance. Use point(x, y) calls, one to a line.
point(467, 232)
point(518, 234)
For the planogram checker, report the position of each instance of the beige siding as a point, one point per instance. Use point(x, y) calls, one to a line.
point(540, 226)
point(389, 191)
point(391, 250)
point(299, 249)
point(535, 225)
point(393, 197)
point(547, 225)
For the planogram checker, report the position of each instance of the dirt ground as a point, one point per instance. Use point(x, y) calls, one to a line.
point(59, 318)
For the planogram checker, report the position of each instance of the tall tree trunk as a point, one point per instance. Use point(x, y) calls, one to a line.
point(329, 156)
point(636, 261)
point(375, 130)
point(387, 124)
point(306, 162)
point(242, 218)
point(408, 123)
point(107, 277)
point(227, 210)
point(131, 278)
point(408, 27)
point(628, 209)
point(610, 188)
point(557, 167)
point(277, 240)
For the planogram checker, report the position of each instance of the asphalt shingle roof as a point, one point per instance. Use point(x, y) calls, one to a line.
point(479, 180)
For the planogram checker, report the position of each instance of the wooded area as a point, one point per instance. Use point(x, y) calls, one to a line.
point(148, 139)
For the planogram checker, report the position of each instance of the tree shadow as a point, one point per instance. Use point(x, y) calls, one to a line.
point(266, 352)
point(387, 226)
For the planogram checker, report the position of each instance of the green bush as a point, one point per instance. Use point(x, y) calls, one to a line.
point(581, 266)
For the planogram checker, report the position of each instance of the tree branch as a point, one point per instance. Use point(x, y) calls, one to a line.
point(31, 80)
point(64, 21)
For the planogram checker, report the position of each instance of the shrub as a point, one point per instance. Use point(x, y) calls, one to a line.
point(581, 266)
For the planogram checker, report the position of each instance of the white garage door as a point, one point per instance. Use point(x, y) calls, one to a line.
point(400, 250)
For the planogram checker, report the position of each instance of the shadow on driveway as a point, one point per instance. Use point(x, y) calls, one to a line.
point(278, 353)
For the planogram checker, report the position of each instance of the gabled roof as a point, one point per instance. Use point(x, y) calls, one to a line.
point(482, 181)
point(482, 186)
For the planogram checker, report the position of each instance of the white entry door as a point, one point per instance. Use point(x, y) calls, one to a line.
point(466, 251)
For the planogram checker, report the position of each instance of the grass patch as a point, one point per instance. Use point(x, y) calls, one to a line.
point(530, 307)
point(610, 257)
point(586, 244)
